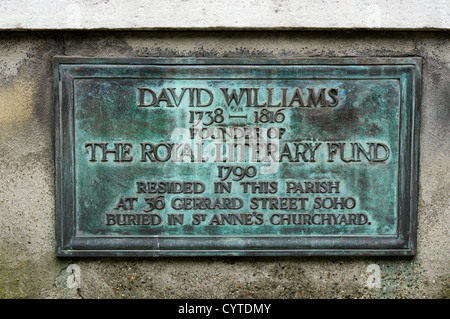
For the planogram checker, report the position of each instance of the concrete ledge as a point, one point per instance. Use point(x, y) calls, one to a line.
point(224, 14)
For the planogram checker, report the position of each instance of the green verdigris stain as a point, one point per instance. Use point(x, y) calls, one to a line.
point(335, 176)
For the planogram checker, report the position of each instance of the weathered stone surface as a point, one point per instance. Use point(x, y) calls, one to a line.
point(28, 267)
point(224, 15)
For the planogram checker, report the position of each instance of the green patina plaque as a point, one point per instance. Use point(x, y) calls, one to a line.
point(190, 157)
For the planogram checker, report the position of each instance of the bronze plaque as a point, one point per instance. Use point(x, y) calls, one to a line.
point(194, 156)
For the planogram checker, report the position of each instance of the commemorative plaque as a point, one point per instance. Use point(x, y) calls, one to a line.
point(254, 157)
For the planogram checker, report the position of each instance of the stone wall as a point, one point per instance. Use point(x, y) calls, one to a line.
point(224, 15)
point(28, 266)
